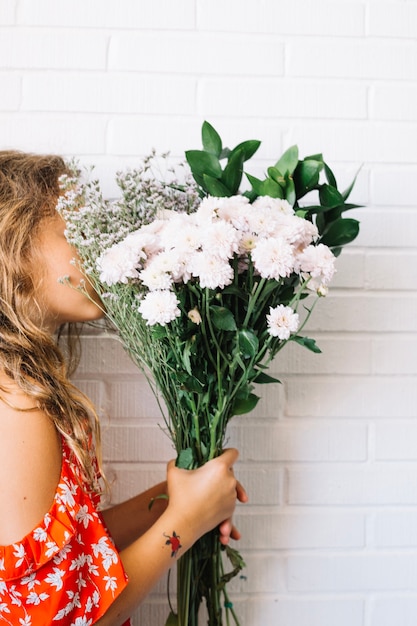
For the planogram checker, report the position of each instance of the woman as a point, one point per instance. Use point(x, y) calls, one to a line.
point(58, 561)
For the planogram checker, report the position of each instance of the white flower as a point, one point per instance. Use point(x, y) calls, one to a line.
point(277, 205)
point(282, 321)
point(297, 231)
point(157, 273)
point(319, 263)
point(220, 239)
point(119, 263)
point(212, 271)
point(159, 307)
point(261, 221)
point(182, 234)
point(273, 258)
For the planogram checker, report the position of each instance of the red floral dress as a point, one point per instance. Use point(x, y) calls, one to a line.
point(67, 570)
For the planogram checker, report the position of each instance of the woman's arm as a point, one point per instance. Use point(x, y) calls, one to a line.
point(199, 500)
point(129, 520)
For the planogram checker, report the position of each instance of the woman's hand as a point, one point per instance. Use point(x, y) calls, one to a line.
point(206, 497)
point(227, 529)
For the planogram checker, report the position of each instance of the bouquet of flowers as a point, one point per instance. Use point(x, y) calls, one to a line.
point(205, 284)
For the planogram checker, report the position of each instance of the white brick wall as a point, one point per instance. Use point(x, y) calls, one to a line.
point(330, 456)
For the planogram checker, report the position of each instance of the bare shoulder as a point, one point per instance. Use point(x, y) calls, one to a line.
point(30, 467)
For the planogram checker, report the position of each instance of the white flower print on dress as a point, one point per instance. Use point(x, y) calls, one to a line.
point(55, 578)
point(67, 570)
point(19, 553)
point(84, 516)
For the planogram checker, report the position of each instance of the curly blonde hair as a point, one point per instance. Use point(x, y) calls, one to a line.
point(29, 355)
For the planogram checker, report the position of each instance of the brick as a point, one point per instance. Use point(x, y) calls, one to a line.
point(132, 400)
point(144, 444)
point(382, 484)
point(289, 609)
point(105, 355)
point(99, 14)
point(289, 98)
point(8, 12)
point(394, 101)
point(393, 186)
point(382, 270)
point(356, 142)
point(52, 49)
point(351, 396)
point(127, 480)
point(196, 53)
point(62, 134)
point(391, 610)
point(385, 228)
point(300, 18)
point(396, 528)
point(350, 270)
point(356, 59)
point(344, 355)
point(396, 441)
point(10, 87)
point(392, 19)
point(107, 93)
point(395, 355)
point(362, 311)
point(299, 441)
point(181, 133)
point(354, 572)
point(299, 530)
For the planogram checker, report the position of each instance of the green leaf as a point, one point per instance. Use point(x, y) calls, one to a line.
point(306, 176)
point(247, 148)
point(172, 619)
point(308, 343)
point(276, 175)
point(244, 405)
point(263, 379)
point(266, 187)
point(248, 343)
point(330, 196)
point(211, 139)
point(347, 191)
point(341, 232)
point(288, 161)
point(185, 459)
point(215, 187)
point(290, 193)
point(202, 163)
point(191, 383)
point(232, 174)
point(222, 318)
point(330, 176)
point(158, 331)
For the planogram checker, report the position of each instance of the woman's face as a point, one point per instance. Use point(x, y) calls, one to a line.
point(62, 303)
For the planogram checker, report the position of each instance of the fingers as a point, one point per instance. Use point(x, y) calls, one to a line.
point(241, 494)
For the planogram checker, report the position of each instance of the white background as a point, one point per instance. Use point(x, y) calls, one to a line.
point(330, 456)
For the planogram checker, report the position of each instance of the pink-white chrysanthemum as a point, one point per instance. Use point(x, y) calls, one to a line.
point(297, 231)
point(220, 239)
point(318, 262)
point(282, 321)
point(273, 258)
point(119, 263)
point(159, 307)
point(211, 271)
point(277, 205)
